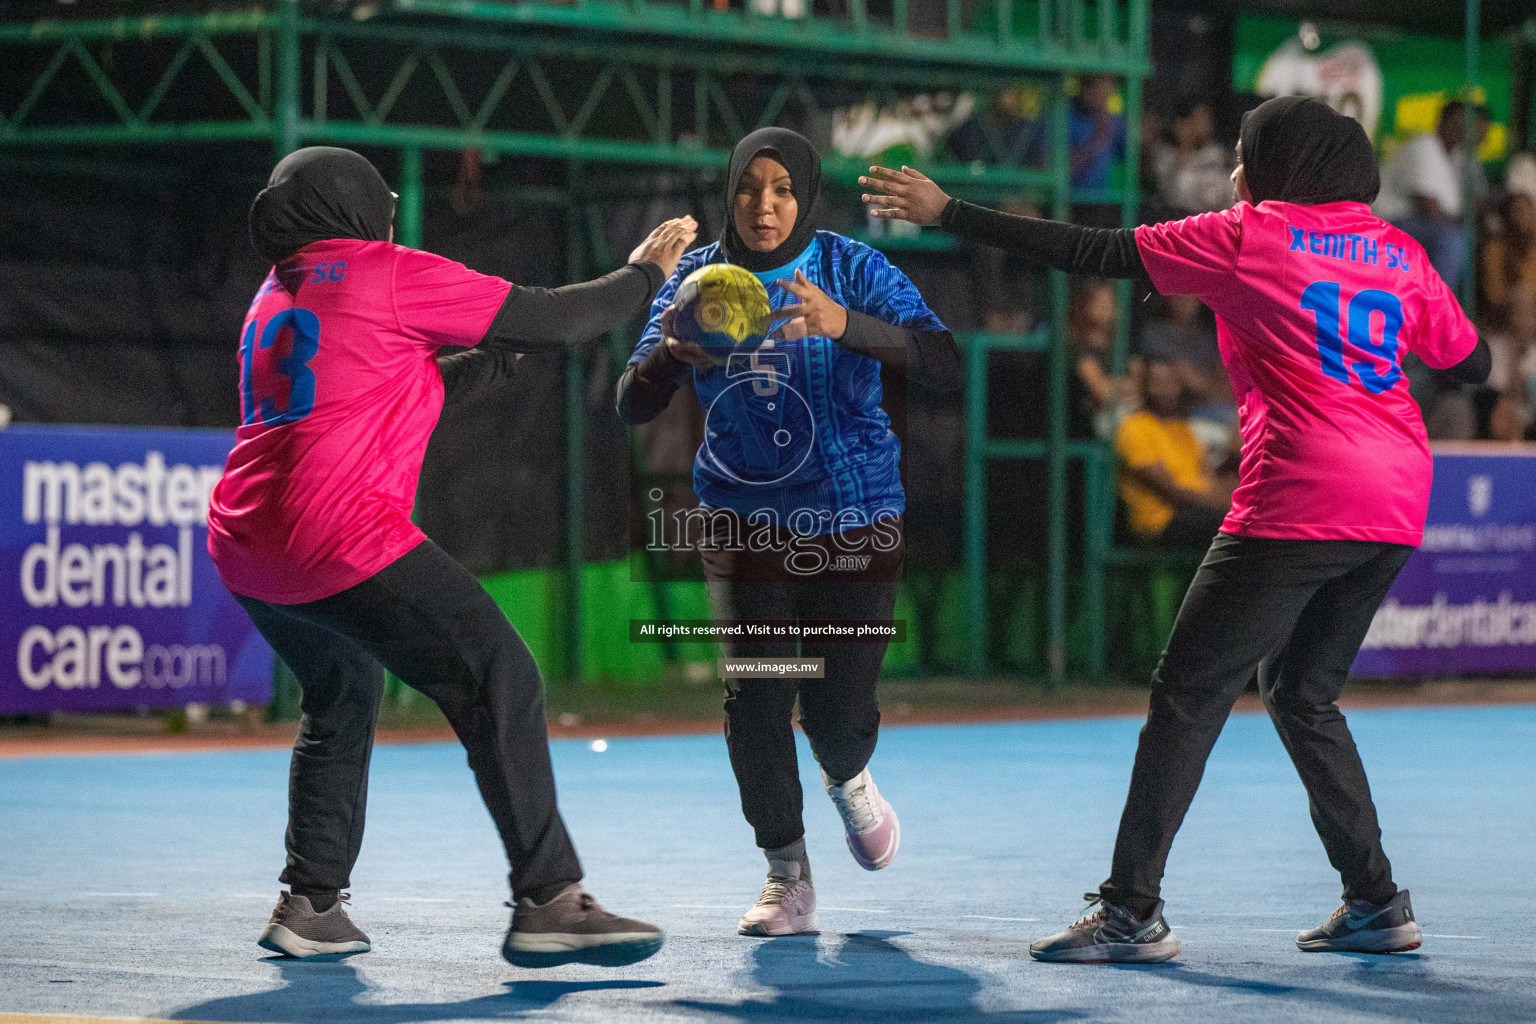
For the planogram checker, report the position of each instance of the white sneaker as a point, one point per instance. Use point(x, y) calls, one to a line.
point(787, 904)
point(872, 828)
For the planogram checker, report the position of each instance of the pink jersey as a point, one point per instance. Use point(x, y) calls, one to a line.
point(1315, 306)
point(340, 391)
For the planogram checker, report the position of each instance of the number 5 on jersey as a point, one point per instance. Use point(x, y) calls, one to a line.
point(258, 385)
point(1322, 299)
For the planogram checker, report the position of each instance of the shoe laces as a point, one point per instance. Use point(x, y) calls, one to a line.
point(778, 889)
point(856, 806)
point(1361, 907)
point(1097, 908)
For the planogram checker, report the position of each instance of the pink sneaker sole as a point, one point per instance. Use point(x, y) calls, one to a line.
point(874, 850)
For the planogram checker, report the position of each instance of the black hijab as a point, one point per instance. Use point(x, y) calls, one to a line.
point(803, 163)
point(316, 193)
point(1299, 150)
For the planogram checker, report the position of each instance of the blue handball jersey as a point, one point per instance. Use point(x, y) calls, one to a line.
point(794, 433)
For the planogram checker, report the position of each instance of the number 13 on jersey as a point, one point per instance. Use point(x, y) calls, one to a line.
point(1322, 298)
point(259, 383)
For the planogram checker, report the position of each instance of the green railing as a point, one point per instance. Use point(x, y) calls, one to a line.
point(602, 82)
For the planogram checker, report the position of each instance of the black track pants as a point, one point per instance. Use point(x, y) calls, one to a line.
point(839, 713)
point(426, 619)
point(1295, 612)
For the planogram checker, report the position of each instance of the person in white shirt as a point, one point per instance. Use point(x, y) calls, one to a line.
point(1421, 189)
point(1194, 170)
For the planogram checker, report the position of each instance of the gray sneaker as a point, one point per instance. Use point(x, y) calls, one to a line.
point(296, 930)
point(1359, 926)
point(787, 903)
point(573, 929)
point(1110, 934)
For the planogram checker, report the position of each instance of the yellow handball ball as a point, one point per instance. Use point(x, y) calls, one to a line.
point(723, 309)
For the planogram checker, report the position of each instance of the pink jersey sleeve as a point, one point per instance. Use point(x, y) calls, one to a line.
point(1443, 336)
point(1193, 256)
point(441, 302)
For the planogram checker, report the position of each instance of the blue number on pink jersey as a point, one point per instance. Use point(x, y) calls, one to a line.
point(295, 366)
point(1322, 299)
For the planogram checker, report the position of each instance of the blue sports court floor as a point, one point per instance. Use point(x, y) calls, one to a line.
point(134, 886)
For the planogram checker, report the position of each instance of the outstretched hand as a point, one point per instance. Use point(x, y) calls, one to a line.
point(816, 315)
point(665, 246)
point(908, 195)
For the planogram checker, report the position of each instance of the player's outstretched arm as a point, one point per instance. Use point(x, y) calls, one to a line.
point(646, 388)
point(475, 373)
point(911, 196)
point(549, 319)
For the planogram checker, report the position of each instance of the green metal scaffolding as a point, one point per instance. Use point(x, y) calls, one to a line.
point(599, 82)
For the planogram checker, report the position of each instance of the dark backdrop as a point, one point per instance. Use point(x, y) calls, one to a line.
point(123, 284)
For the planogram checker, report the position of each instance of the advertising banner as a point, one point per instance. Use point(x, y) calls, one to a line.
point(108, 598)
point(1394, 83)
point(1465, 603)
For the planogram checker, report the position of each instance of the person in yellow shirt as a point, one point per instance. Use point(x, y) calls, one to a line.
point(1170, 498)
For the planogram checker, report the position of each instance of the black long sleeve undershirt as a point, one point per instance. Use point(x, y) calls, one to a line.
point(929, 358)
point(645, 388)
point(545, 320)
point(550, 319)
point(1475, 368)
point(1102, 252)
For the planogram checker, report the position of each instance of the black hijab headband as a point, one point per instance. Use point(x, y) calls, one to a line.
point(1298, 150)
point(803, 163)
point(317, 193)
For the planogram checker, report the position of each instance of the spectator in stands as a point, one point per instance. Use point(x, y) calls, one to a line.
point(1008, 131)
point(1513, 377)
point(1193, 170)
point(1421, 189)
point(1171, 499)
point(1181, 334)
point(1184, 334)
point(1509, 257)
point(1102, 398)
point(1097, 136)
point(1520, 175)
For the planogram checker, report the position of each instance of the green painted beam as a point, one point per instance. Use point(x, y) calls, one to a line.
point(976, 500)
point(1470, 168)
point(805, 34)
point(1038, 340)
point(575, 458)
point(135, 134)
point(749, 42)
point(1056, 454)
point(214, 23)
point(837, 171)
point(678, 54)
point(1030, 448)
point(410, 197)
point(286, 136)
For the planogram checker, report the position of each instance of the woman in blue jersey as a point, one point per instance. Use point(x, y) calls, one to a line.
point(799, 479)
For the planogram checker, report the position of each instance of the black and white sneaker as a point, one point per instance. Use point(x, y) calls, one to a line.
point(1360, 926)
point(573, 929)
point(296, 930)
point(1110, 934)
